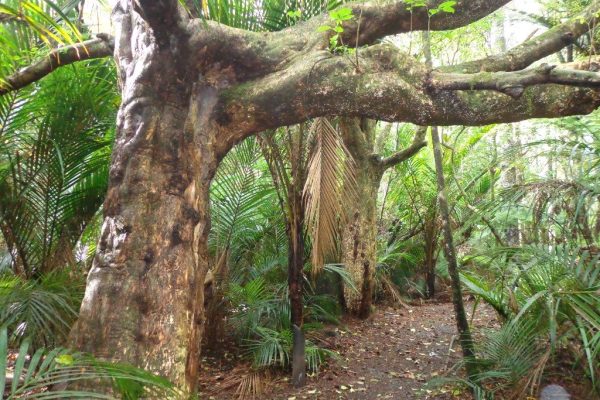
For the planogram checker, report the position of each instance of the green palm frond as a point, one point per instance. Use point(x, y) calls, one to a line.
point(271, 347)
point(39, 311)
point(33, 373)
point(555, 289)
point(511, 356)
point(253, 15)
point(29, 28)
point(238, 196)
point(494, 296)
point(54, 158)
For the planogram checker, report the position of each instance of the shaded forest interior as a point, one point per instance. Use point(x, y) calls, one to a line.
point(281, 199)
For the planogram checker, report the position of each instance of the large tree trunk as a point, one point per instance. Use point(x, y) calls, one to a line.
point(144, 298)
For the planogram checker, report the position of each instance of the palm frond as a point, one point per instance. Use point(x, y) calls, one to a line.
point(58, 368)
point(329, 184)
point(54, 158)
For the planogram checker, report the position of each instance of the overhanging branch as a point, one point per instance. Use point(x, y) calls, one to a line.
point(100, 47)
point(375, 20)
point(392, 86)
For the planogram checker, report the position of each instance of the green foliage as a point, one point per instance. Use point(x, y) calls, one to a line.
point(54, 162)
point(269, 15)
point(552, 301)
point(35, 371)
point(338, 17)
point(273, 348)
point(261, 319)
point(445, 7)
point(39, 311)
point(55, 139)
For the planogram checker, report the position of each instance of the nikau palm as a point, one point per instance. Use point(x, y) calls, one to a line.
point(192, 89)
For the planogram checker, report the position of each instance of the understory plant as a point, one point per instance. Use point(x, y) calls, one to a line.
point(549, 303)
point(57, 373)
point(40, 311)
point(260, 316)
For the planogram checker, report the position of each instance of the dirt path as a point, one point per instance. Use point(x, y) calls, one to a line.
point(390, 356)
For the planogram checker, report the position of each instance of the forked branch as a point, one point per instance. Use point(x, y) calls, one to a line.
point(535, 49)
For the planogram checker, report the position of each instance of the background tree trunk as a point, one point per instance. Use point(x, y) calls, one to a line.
point(295, 285)
point(359, 240)
point(430, 237)
point(359, 231)
point(465, 339)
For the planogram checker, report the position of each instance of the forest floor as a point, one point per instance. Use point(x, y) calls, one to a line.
point(389, 356)
point(392, 355)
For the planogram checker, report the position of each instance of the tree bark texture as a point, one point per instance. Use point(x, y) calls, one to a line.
point(359, 240)
point(359, 229)
point(144, 297)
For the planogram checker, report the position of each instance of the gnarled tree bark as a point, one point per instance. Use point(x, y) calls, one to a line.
point(144, 297)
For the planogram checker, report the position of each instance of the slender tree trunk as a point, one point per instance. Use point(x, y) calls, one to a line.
point(431, 236)
point(144, 298)
point(513, 234)
point(295, 286)
point(431, 240)
point(462, 324)
point(288, 184)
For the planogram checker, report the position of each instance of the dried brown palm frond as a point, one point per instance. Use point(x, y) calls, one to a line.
point(532, 381)
point(390, 288)
point(252, 385)
point(330, 183)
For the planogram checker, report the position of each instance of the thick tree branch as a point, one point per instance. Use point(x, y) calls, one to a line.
point(514, 83)
point(537, 48)
point(376, 20)
point(390, 86)
point(100, 47)
point(417, 144)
